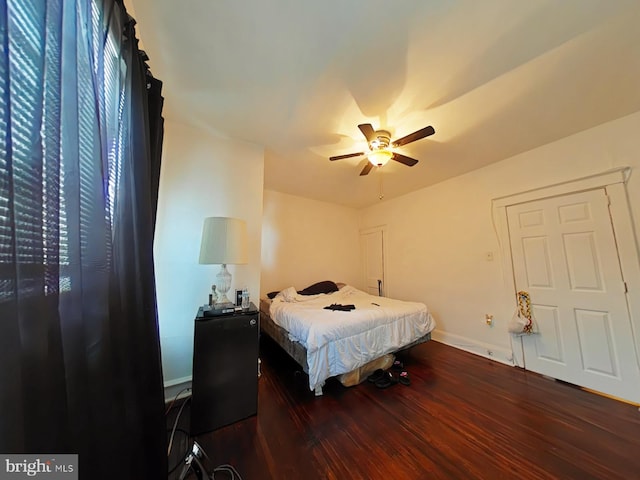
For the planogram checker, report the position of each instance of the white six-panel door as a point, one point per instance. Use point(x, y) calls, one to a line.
point(372, 245)
point(564, 254)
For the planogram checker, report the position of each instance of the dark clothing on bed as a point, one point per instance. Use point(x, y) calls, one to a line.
point(343, 308)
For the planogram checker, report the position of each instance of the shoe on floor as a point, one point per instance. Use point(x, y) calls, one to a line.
point(376, 375)
point(397, 365)
point(387, 380)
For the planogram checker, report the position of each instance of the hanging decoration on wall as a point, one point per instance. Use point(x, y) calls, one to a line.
point(522, 321)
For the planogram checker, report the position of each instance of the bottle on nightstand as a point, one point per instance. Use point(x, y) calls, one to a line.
point(213, 298)
point(245, 299)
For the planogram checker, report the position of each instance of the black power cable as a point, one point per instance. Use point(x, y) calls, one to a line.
point(191, 455)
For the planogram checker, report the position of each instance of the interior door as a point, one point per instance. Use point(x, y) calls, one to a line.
point(564, 254)
point(372, 245)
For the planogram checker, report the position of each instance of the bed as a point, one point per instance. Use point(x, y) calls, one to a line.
point(335, 342)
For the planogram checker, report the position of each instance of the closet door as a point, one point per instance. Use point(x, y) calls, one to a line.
point(372, 247)
point(565, 256)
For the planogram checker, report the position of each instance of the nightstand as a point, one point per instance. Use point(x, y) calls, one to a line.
point(225, 369)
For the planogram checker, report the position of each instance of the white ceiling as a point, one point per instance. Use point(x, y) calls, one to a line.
point(494, 78)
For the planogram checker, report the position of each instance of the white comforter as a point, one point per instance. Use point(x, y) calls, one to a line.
point(338, 342)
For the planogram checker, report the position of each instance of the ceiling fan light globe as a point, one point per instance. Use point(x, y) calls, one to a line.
point(380, 157)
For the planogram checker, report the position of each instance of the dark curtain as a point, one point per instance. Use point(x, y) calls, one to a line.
point(80, 148)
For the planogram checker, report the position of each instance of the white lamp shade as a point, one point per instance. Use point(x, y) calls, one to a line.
point(224, 241)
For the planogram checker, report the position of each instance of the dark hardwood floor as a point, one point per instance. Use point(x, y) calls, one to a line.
point(463, 416)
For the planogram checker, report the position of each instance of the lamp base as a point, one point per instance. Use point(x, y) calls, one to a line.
point(223, 282)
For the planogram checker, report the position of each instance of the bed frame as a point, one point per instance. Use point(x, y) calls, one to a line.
point(295, 349)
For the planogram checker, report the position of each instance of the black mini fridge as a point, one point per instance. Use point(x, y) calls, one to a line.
point(225, 369)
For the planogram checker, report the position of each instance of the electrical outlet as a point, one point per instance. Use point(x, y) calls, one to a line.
point(488, 319)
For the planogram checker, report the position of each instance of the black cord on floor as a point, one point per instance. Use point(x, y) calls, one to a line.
point(229, 469)
point(175, 424)
point(168, 409)
point(184, 455)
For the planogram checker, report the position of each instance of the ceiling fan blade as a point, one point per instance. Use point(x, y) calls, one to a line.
point(367, 168)
point(408, 161)
point(368, 131)
point(412, 137)
point(348, 155)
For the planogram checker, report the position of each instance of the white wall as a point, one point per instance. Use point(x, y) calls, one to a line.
point(305, 241)
point(201, 176)
point(438, 237)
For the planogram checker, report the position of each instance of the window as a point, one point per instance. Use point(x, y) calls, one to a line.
point(62, 104)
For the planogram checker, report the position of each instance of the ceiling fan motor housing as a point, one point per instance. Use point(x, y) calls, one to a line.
point(381, 140)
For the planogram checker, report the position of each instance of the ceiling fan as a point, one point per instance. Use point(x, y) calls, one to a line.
point(380, 145)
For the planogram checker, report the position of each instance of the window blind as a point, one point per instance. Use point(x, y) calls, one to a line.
point(61, 115)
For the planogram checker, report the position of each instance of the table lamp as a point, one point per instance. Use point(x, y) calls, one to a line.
point(224, 242)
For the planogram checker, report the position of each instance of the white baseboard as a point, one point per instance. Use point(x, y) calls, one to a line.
point(492, 352)
point(177, 388)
